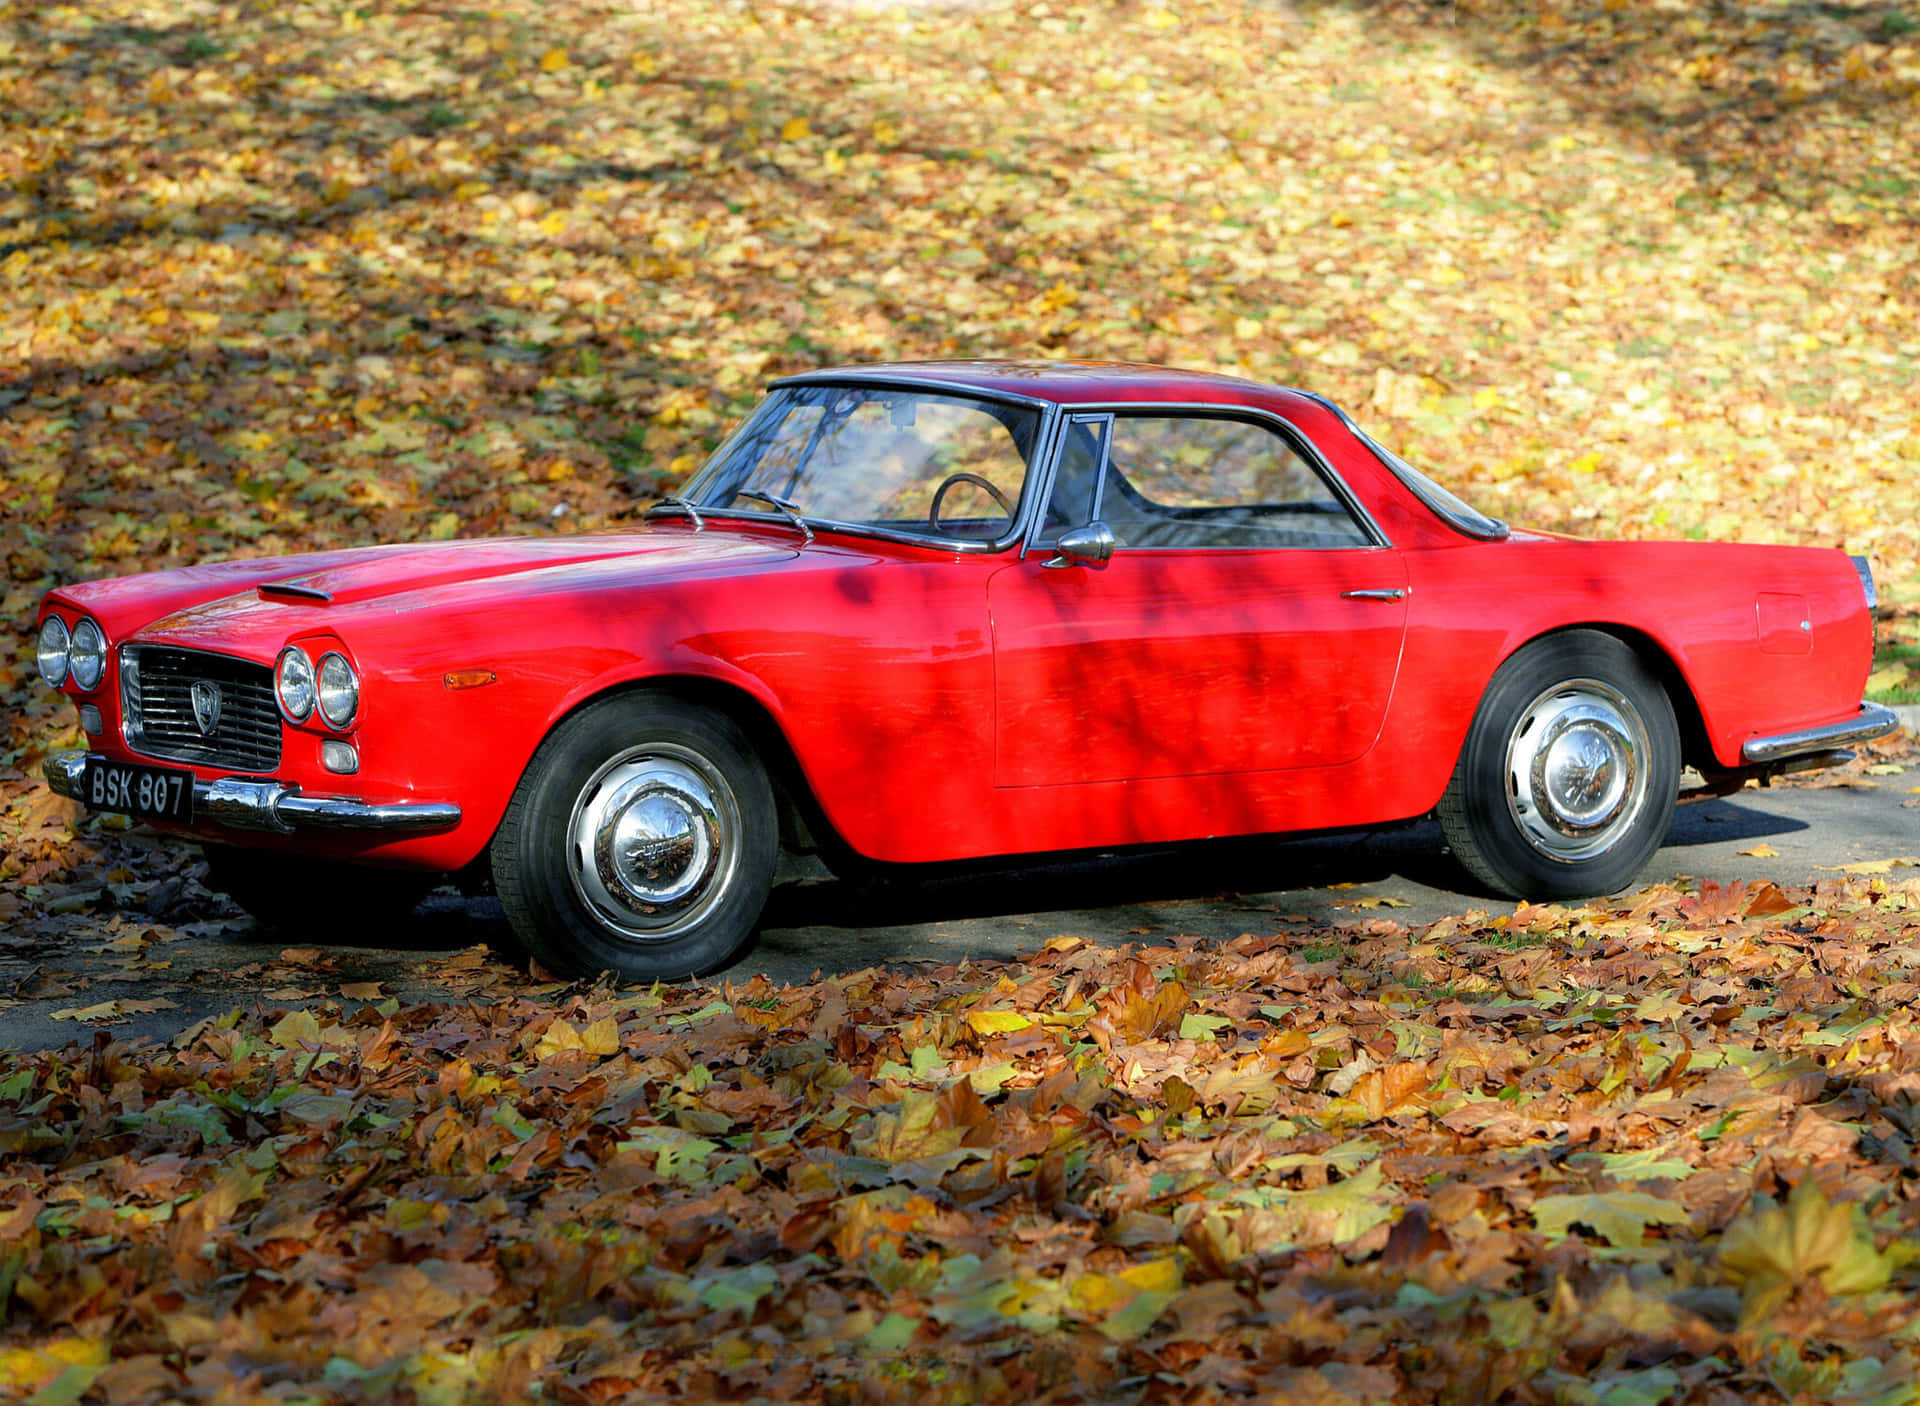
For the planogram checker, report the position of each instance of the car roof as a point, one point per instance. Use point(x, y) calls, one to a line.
point(1071, 382)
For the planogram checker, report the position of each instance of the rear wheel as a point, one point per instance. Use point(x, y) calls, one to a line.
point(641, 841)
point(1567, 783)
point(284, 892)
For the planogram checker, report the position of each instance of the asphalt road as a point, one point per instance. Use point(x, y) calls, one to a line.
point(207, 962)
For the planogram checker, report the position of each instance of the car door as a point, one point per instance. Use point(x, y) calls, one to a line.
point(1250, 617)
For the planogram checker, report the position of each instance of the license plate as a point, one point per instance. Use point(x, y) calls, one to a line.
point(156, 792)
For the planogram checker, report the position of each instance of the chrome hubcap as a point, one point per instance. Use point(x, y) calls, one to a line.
point(653, 841)
point(1577, 770)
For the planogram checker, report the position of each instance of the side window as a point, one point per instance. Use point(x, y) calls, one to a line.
point(1193, 481)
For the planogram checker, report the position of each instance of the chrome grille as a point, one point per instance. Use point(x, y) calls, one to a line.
point(156, 691)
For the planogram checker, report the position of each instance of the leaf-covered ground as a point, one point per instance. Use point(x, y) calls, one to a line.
point(313, 272)
point(1652, 1151)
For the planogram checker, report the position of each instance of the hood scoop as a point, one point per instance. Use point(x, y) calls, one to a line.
point(294, 590)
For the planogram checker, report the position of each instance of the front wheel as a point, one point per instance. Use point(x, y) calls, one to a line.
point(641, 840)
point(1567, 783)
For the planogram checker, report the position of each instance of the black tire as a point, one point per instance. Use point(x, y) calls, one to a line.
point(687, 836)
point(1568, 779)
point(283, 891)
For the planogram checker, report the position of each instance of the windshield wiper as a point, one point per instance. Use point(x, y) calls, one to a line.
point(781, 504)
point(674, 500)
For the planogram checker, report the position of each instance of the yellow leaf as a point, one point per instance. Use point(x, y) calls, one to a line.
point(997, 1022)
point(1658, 1006)
point(1875, 866)
point(1161, 20)
point(295, 1029)
point(1161, 1276)
point(558, 1038)
point(553, 60)
point(25, 1367)
point(1618, 1217)
point(1762, 851)
point(1809, 1238)
point(106, 1010)
point(602, 1037)
point(1099, 1293)
point(797, 129)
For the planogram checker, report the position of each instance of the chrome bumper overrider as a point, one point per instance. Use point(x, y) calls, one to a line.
point(244, 803)
point(1872, 721)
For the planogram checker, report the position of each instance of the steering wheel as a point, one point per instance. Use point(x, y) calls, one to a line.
point(940, 493)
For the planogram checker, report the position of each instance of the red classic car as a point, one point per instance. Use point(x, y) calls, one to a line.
point(931, 612)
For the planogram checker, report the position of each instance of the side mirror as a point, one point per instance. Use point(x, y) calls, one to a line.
point(1091, 545)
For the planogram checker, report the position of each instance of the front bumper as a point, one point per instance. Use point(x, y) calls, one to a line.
point(249, 803)
point(1872, 721)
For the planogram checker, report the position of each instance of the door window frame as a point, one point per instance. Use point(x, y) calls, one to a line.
point(1279, 425)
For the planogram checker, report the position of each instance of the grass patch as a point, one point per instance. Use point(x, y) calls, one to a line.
point(1896, 663)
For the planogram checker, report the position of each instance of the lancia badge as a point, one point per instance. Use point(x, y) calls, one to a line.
point(206, 706)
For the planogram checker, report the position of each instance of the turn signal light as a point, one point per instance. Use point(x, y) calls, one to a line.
point(469, 678)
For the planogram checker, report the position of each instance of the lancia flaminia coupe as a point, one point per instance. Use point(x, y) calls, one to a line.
point(935, 612)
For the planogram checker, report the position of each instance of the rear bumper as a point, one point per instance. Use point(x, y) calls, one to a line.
point(248, 803)
point(1872, 721)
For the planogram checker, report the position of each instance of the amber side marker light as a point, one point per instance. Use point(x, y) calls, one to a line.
point(469, 678)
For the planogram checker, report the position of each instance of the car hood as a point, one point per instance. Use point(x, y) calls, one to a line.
point(233, 605)
point(376, 573)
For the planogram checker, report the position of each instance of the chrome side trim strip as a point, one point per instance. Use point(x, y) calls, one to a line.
point(1872, 721)
point(250, 803)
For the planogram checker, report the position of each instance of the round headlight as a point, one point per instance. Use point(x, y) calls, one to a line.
point(293, 684)
point(339, 690)
point(52, 652)
point(87, 657)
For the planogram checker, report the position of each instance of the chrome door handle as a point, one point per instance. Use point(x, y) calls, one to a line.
point(1393, 593)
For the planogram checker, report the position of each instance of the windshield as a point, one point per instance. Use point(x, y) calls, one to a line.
point(890, 459)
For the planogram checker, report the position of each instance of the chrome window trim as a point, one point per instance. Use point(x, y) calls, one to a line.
point(1872, 592)
point(1041, 462)
point(1301, 442)
point(890, 381)
point(1465, 527)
